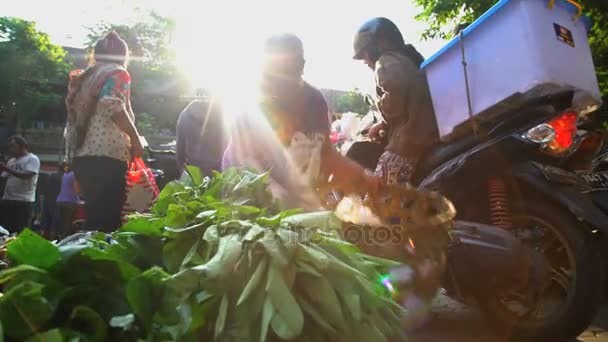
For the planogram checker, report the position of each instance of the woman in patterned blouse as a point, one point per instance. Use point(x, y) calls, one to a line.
point(100, 134)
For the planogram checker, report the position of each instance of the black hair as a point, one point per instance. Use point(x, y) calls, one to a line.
point(286, 53)
point(283, 44)
point(19, 140)
point(111, 49)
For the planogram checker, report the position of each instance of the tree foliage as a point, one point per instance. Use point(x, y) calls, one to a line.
point(443, 15)
point(352, 102)
point(31, 66)
point(157, 84)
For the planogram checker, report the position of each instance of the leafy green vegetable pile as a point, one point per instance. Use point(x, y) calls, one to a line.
point(215, 259)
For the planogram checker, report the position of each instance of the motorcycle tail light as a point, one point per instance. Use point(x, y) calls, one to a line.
point(588, 149)
point(565, 130)
point(541, 134)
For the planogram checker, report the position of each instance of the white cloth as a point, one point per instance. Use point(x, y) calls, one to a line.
point(18, 189)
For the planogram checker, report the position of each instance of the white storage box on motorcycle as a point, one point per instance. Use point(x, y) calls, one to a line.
point(517, 47)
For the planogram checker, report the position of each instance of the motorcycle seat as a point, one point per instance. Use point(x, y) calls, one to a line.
point(441, 153)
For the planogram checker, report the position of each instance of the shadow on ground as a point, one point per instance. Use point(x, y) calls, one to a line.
point(453, 322)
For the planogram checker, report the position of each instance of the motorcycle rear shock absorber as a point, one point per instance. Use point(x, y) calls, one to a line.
point(498, 197)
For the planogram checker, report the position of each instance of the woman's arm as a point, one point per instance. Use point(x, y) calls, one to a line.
point(118, 88)
point(124, 123)
point(76, 187)
point(347, 175)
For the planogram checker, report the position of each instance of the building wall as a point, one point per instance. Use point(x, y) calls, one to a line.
point(77, 56)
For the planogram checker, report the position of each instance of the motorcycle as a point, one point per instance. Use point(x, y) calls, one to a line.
point(518, 205)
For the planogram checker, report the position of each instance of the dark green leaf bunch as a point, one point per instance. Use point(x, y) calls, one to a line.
point(215, 260)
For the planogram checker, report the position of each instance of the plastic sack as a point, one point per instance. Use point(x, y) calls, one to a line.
point(141, 188)
point(349, 125)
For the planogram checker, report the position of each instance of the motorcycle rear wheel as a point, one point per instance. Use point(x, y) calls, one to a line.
point(577, 278)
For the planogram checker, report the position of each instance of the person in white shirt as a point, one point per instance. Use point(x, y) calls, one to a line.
point(21, 173)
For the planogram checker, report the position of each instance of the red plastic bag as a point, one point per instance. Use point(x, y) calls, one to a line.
point(141, 188)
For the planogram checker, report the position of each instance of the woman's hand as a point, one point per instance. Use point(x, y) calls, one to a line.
point(374, 131)
point(371, 183)
point(137, 149)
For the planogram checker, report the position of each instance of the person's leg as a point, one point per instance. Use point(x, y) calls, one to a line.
point(65, 215)
point(92, 178)
point(102, 181)
point(420, 276)
point(114, 194)
point(6, 217)
point(22, 213)
point(84, 171)
point(48, 212)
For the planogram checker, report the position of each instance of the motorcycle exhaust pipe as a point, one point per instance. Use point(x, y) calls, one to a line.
point(487, 261)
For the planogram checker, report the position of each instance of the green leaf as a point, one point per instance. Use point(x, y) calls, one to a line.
point(195, 175)
point(203, 296)
point(174, 251)
point(31, 249)
point(127, 270)
point(246, 210)
point(124, 322)
point(53, 335)
point(276, 219)
point(288, 320)
point(21, 273)
point(144, 293)
point(200, 315)
point(315, 315)
point(88, 321)
point(177, 215)
point(290, 240)
point(212, 234)
point(221, 317)
point(207, 214)
point(345, 247)
point(325, 220)
point(144, 225)
point(322, 295)
point(24, 309)
point(303, 267)
point(367, 332)
point(254, 233)
point(219, 266)
point(192, 256)
point(166, 197)
point(255, 280)
point(313, 257)
point(276, 250)
point(267, 315)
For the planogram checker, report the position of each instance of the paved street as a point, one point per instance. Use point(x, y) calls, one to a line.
point(453, 322)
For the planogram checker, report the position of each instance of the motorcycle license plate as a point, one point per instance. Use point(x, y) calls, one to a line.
point(597, 180)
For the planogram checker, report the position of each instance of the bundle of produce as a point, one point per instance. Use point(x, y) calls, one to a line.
point(216, 259)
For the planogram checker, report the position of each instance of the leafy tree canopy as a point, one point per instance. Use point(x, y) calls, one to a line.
point(31, 67)
point(352, 102)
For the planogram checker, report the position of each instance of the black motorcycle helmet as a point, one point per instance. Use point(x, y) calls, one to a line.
point(371, 33)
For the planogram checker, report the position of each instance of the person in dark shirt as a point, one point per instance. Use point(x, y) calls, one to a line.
point(411, 131)
point(201, 136)
point(404, 98)
point(296, 148)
